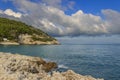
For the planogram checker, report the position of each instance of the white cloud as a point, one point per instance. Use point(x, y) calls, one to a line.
point(53, 3)
point(112, 21)
point(69, 4)
point(10, 12)
point(54, 21)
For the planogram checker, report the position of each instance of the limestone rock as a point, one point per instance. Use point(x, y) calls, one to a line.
point(20, 67)
point(15, 66)
point(68, 75)
point(27, 39)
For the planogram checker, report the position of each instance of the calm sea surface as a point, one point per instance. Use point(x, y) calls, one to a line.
point(101, 61)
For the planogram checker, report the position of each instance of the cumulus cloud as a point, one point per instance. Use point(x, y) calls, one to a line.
point(53, 3)
point(10, 12)
point(112, 21)
point(51, 19)
point(58, 4)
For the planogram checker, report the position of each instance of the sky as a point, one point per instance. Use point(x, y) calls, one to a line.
point(86, 21)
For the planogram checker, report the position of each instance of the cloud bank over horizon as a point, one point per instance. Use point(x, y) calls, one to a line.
point(50, 17)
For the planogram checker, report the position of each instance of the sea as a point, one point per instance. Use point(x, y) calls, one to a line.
point(97, 60)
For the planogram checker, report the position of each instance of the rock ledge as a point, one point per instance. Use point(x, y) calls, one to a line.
point(20, 67)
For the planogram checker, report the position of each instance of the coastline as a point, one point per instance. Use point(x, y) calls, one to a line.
point(30, 43)
point(9, 43)
point(26, 39)
point(16, 66)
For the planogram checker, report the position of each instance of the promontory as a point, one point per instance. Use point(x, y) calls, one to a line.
point(15, 32)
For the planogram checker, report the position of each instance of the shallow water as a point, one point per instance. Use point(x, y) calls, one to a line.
point(101, 61)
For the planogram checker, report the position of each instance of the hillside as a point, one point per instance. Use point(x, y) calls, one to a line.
point(21, 33)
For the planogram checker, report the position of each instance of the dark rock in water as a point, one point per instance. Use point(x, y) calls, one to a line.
point(49, 66)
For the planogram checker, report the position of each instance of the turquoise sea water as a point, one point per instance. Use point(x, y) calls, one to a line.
point(101, 61)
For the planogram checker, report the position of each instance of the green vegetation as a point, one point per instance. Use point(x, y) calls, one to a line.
point(45, 39)
point(11, 30)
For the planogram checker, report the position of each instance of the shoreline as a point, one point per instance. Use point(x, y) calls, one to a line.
point(9, 43)
point(16, 66)
point(33, 43)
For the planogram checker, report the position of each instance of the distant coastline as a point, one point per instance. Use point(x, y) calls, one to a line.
point(33, 43)
point(26, 39)
point(15, 33)
point(9, 43)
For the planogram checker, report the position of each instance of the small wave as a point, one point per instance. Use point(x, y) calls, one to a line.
point(62, 66)
point(47, 59)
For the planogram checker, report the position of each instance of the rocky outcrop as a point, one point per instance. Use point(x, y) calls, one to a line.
point(20, 67)
point(68, 75)
point(28, 39)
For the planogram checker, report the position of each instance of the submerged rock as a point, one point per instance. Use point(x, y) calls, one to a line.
point(20, 67)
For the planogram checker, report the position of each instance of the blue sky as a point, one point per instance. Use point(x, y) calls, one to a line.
point(88, 6)
point(95, 6)
point(87, 20)
point(5, 5)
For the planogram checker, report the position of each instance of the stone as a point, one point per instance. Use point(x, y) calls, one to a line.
point(49, 66)
point(21, 67)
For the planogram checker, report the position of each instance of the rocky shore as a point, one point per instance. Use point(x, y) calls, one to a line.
point(9, 43)
point(21, 67)
point(26, 39)
point(30, 43)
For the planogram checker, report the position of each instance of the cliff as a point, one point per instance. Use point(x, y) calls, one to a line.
point(20, 67)
point(14, 33)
